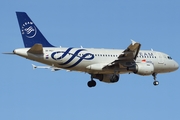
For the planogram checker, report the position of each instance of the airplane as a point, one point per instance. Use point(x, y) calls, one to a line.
point(105, 65)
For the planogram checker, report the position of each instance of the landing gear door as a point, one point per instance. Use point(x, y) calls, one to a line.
point(160, 58)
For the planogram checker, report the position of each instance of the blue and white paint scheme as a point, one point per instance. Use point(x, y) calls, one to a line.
point(105, 65)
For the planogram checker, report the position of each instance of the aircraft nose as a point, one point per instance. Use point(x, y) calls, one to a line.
point(176, 65)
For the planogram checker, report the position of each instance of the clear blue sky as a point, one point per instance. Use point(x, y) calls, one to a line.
point(27, 94)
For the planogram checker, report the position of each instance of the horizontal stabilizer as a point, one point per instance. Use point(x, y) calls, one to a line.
point(36, 49)
point(10, 53)
point(52, 68)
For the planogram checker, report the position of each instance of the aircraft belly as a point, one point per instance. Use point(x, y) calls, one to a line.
point(108, 71)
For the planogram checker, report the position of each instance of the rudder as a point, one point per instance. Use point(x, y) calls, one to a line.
point(30, 33)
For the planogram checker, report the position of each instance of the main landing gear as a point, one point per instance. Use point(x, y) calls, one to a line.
point(155, 83)
point(91, 83)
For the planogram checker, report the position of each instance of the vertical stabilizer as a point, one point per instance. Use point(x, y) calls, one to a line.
point(30, 33)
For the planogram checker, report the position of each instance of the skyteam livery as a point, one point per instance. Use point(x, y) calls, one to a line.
point(102, 64)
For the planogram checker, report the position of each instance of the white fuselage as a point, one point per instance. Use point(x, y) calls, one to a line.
point(93, 60)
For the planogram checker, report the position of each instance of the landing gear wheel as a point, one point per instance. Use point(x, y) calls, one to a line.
point(156, 83)
point(91, 83)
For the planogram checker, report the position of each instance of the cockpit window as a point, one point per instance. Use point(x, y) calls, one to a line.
point(169, 57)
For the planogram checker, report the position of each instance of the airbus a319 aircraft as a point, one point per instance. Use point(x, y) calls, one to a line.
point(105, 65)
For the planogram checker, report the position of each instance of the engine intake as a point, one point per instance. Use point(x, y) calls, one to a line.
point(142, 68)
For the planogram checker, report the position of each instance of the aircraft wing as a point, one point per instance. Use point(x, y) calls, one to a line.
point(128, 56)
point(131, 52)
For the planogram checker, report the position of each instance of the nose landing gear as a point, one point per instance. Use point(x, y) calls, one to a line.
point(155, 83)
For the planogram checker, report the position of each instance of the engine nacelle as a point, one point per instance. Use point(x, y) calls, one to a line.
point(142, 68)
point(108, 78)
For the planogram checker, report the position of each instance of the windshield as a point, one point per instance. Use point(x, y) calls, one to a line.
point(169, 57)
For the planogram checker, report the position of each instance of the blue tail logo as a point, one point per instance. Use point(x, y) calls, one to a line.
point(29, 29)
point(30, 33)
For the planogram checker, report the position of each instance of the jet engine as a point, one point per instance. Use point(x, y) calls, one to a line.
point(142, 68)
point(108, 78)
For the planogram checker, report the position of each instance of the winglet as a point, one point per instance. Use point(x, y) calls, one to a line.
point(133, 42)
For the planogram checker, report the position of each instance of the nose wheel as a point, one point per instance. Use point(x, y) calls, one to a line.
point(155, 83)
